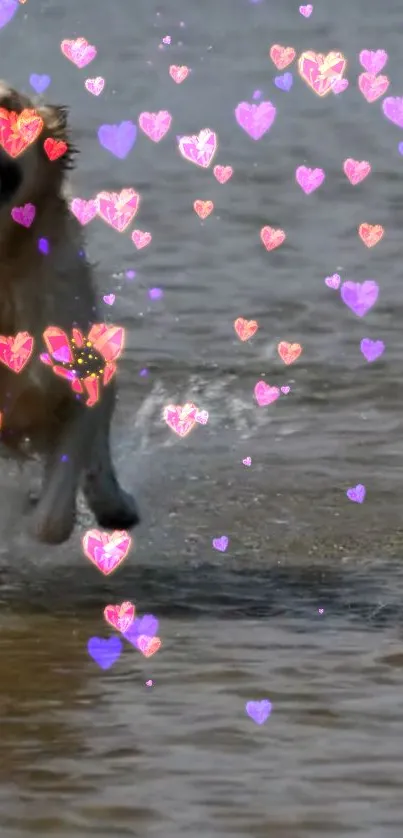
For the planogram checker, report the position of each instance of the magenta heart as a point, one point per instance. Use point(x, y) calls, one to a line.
point(264, 394)
point(109, 299)
point(373, 61)
point(372, 349)
point(285, 389)
point(338, 85)
point(309, 179)
point(360, 297)
point(24, 215)
point(247, 461)
point(256, 120)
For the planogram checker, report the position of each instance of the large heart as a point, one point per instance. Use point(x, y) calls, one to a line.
point(18, 131)
point(319, 71)
point(118, 210)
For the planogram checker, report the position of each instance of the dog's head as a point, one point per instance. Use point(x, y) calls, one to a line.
point(30, 167)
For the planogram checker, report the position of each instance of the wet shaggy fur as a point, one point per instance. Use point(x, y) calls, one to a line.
point(37, 291)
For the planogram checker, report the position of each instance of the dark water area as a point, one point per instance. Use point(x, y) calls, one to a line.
point(304, 608)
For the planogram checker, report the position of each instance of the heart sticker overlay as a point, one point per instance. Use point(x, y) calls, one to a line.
point(333, 281)
point(356, 170)
point(264, 394)
point(180, 419)
point(320, 71)
point(24, 215)
point(282, 57)
point(95, 86)
point(309, 179)
point(106, 550)
point(79, 51)
point(223, 173)
point(118, 139)
point(16, 351)
point(372, 349)
point(83, 210)
point(18, 131)
point(370, 234)
point(256, 120)
point(357, 493)
point(146, 625)
point(140, 239)
point(54, 148)
point(259, 711)
point(178, 74)
point(199, 149)
point(105, 651)
point(245, 329)
point(120, 617)
point(373, 61)
point(271, 238)
point(155, 125)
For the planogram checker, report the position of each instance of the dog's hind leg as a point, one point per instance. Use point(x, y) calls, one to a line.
point(113, 508)
point(54, 515)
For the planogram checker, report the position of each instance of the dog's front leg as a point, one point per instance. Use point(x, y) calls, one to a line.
point(54, 516)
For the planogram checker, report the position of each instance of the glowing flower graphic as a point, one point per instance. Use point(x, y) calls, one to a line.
point(85, 362)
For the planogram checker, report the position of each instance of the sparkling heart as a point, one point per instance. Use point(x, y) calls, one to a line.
point(84, 211)
point(356, 170)
point(333, 281)
point(199, 149)
point(221, 543)
point(120, 617)
point(181, 419)
point(106, 550)
point(320, 71)
point(370, 234)
point(256, 120)
point(140, 238)
point(356, 493)
point(155, 125)
point(282, 56)
point(15, 352)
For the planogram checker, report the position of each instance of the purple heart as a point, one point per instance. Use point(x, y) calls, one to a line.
point(371, 349)
point(392, 107)
point(400, 148)
point(357, 493)
point(146, 625)
point(39, 83)
point(255, 119)
point(104, 652)
point(259, 711)
point(220, 543)
point(284, 82)
point(118, 139)
point(8, 9)
point(360, 297)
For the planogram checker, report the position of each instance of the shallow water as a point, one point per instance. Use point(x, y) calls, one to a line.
point(304, 607)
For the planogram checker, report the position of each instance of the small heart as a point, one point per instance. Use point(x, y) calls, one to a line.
point(202, 417)
point(109, 299)
point(247, 461)
point(356, 493)
point(54, 148)
point(148, 645)
point(285, 389)
point(333, 281)
point(289, 352)
point(221, 543)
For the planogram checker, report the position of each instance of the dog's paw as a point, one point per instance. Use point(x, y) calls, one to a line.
point(123, 515)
